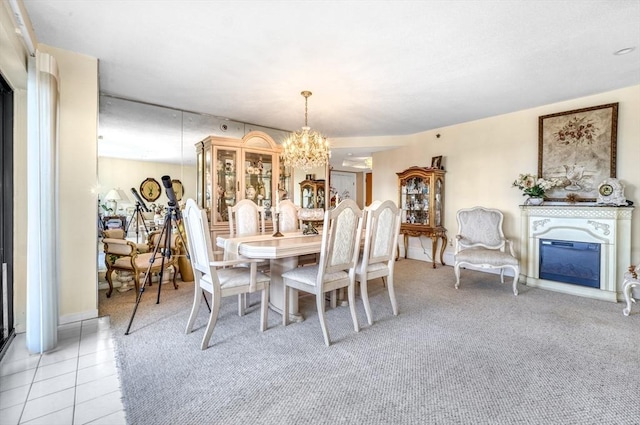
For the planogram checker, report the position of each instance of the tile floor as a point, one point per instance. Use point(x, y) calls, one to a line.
point(77, 383)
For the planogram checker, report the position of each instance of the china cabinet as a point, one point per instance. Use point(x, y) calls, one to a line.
point(233, 169)
point(312, 194)
point(421, 192)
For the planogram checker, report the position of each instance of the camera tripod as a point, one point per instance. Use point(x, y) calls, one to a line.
point(137, 217)
point(172, 216)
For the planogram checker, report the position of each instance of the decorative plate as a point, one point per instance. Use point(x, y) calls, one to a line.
point(150, 189)
point(178, 189)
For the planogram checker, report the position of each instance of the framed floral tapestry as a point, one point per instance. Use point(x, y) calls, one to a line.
point(579, 148)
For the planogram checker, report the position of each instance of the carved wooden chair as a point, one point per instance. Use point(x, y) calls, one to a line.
point(481, 243)
point(246, 218)
point(336, 268)
point(218, 278)
point(379, 254)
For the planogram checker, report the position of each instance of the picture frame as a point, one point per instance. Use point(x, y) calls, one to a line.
point(436, 162)
point(578, 147)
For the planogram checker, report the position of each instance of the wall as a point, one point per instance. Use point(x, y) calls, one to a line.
point(482, 158)
point(126, 174)
point(77, 177)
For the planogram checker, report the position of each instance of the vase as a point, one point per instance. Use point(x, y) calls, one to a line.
point(534, 201)
point(574, 174)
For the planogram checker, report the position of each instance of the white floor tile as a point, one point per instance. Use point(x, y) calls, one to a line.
point(93, 359)
point(52, 385)
point(118, 418)
point(97, 408)
point(75, 383)
point(97, 388)
point(14, 397)
point(98, 371)
point(17, 380)
point(9, 368)
point(11, 415)
point(48, 404)
point(60, 354)
point(56, 369)
point(61, 417)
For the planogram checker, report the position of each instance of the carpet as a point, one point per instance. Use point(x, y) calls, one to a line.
point(476, 355)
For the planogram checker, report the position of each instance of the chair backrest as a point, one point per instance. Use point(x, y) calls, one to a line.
point(157, 238)
point(113, 233)
point(340, 239)
point(198, 238)
point(382, 230)
point(288, 216)
point(246, 218)
point(480, 226)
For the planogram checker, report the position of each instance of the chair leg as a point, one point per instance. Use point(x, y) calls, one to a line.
point(285, 305)
point(321, 318)
point(264, 308)
point(213, 318)
point(626, 290)
point(334, 298)
point(456, 270)
point(502, 275)
point(365, 300)
point(384, 282)
point(107, 276)
point(392, 296)
point(197, 300)
point(175, 274)
point(516, 274)
point(242, 304)
point(351, 293)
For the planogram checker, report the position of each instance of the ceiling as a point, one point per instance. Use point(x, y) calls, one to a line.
point(374, 67)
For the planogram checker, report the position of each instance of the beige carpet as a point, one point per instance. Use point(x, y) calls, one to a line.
point(477, 355)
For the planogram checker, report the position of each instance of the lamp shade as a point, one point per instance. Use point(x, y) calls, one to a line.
point(112, 195)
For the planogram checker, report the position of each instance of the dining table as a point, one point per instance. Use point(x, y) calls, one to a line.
point(282, 252)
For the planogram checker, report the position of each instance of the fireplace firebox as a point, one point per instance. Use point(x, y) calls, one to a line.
point(570, 262)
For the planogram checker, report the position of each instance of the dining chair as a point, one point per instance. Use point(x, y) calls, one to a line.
point(481, 243)
point(218, 278)
point(288, 218)
point(379, 253)
point(246, 218)
point(336, 268)
point(290, 222)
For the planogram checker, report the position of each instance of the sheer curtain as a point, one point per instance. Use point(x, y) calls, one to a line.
point(42, 177)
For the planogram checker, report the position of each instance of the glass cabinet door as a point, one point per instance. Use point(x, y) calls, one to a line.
point(258, 179)
point(200, 179)
point(226, 182)
point(438, 202)
point(416, 201)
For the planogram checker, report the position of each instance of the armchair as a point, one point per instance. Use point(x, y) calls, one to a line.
point(480, 242)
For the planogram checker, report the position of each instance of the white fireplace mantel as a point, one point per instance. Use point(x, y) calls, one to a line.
point(608, 226)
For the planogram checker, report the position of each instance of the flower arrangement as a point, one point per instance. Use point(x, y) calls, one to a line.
point(533, 186)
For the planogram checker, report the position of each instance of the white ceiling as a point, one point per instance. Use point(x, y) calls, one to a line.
point(374, 67)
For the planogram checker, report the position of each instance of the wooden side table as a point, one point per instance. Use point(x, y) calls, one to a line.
point(435, 233)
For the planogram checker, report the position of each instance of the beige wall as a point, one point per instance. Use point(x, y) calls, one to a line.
point(78, 87)
point(126, 174)
point(482, 158)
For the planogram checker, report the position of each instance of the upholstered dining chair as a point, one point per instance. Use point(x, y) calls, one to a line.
point(481, 243)
point(336, 268)
point(218, 278)
point(246, 218)
point(288, 219)
point(379, 254)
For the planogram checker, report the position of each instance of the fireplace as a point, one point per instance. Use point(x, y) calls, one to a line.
point(572, 262)
point(584, 235)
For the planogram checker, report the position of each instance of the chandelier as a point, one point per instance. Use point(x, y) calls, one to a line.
point(305, 149)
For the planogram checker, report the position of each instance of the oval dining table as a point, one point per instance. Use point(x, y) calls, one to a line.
point(282, 253)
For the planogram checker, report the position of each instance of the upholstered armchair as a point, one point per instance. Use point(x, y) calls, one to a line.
point(630, 281)
point(480, 242)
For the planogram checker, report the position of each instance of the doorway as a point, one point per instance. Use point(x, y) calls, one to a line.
point(6, 215)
